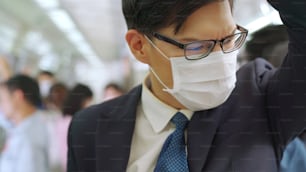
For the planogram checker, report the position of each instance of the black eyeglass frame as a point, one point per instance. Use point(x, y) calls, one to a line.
point(243, 32)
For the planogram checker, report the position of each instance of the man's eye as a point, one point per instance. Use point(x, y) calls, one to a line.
point(199, 46)
point(196, 48)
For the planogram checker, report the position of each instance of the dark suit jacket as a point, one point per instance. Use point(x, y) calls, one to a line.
point(247, 133)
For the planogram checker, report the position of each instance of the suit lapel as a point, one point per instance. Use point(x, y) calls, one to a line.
point(200, 133)
point(115, 131)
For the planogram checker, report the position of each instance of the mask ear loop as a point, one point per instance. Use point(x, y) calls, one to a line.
point(163, 54)
point(166, 89)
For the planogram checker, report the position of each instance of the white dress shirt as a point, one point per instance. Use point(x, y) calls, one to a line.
point(152, 128)
point(27, 147)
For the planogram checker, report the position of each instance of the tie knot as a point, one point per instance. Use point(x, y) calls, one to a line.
point(180, 120)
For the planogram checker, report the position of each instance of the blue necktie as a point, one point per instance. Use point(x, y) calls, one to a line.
point(173, 156)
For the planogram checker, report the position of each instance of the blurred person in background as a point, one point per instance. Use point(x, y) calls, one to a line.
point(79, 97)
point(56, 97)
point(45, 80)
point(111, 91)
point(26, 148)
point(53, 110)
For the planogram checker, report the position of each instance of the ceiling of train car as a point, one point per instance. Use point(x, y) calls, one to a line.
point(100, 22)
point(29, 18)
point(29, 34)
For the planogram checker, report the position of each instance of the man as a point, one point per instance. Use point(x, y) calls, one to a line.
point(45, 80)
point(27, 146)
point(234, 123)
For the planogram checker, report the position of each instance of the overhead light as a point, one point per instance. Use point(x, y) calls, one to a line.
point(43, 48)
point(62, 20)
point(75, 36)
point(49, 62)
point(88, 53)
point(48, 4)
point(272, 18)
point(258, 24)
point(84, 48)
point(94, 60)
point(276, 18)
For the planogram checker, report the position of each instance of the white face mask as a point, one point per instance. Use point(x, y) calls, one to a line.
point(44, 87)
point(202, 84)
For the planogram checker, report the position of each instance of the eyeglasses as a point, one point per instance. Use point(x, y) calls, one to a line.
point(200, 49)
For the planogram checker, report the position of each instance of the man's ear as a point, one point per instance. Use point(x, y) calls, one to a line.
point(136, 42)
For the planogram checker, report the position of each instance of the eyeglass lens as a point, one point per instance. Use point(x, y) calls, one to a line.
point(203, 48)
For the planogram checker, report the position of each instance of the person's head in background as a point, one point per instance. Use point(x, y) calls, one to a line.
point(19, 97)
point(78, 98)
point(57, 95)
point(112, 90)
point(164, 33)
point(45, 80)
point(270, 42)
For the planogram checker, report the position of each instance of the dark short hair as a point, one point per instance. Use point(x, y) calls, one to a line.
point(147, 16)
point(76, 98)
point(46, 72)
point(27, 85)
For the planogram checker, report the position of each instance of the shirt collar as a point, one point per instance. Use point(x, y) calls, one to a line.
point(157, 112)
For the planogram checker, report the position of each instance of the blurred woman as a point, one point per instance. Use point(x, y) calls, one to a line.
point(78, 98)
point(56, 98)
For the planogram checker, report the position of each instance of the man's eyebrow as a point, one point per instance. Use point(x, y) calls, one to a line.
point(187, 40)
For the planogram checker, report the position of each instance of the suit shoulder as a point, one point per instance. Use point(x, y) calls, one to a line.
point(258, 71)
point(88, 118)
point(258, 66)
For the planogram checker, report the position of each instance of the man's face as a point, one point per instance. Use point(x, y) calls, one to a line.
point(7, 102)
point(110, 93)
point(211, 22)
